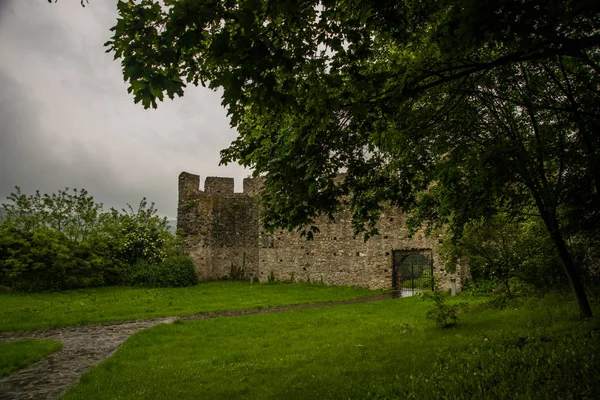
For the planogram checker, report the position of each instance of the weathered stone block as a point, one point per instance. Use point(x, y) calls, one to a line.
point(217, 185)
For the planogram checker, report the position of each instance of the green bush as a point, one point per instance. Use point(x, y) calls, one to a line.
point(33, 261)
point(106, 258)
point(65, 241)
point(488, 287)
point(45, 259)
point(174, 271)
point(480, 287)
point(134, 235)
point(499, 249)
point(178, 271)
point(443, 314)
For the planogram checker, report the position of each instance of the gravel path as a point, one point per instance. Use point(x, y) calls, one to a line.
point(88, 345)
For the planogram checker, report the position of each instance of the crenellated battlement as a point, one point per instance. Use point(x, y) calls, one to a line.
point(253, 186)
point(189, 186)
point(216, 185)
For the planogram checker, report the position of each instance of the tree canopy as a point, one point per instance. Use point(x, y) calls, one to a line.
point(452, 110)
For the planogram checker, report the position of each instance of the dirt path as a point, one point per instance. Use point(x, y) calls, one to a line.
point(88, 345)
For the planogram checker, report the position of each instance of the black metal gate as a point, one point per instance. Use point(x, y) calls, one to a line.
point(412, 271)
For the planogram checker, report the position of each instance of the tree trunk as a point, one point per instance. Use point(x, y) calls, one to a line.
point(593, 165)
point(571, 270)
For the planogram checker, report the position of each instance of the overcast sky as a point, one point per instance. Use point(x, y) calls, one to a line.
point(66, 119)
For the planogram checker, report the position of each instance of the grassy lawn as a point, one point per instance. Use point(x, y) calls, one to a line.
point(20, 353)
point(47, 310)
point(535, 348)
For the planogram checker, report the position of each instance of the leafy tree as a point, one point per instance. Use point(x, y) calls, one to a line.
point(73, 213)
point(139, 234)
point(452, 110)
point(64, 240)
point(517, 144)
point(500, 248)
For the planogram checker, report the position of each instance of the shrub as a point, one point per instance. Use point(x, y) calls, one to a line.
point(65, 241)
point(174, 271)
point(45, 259)
point(501, 249)
point(33, 261)
point(137, 234)
point(443, 314)
point(178, 271)
point(488, 287)
point(480, 287)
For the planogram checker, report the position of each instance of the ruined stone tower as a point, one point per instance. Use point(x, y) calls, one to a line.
point(222, 229)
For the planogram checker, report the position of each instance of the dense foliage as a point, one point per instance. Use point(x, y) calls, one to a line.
point(65, 240)
point(501, 250)
point(174, 271)
point(452, 110)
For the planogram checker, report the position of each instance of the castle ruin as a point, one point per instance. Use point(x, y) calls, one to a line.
point(222, 229)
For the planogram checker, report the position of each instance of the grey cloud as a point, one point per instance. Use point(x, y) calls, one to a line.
point(66, 83)
point(26, 156)
point(66, 118)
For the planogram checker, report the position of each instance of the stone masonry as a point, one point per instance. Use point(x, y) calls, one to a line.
point(222, 229)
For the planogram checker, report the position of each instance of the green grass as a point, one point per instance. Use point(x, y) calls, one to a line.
point(48, 310)
point(20, 353)
point(533, 349)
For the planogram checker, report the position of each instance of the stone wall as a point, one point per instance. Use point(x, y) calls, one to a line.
point(222, 227)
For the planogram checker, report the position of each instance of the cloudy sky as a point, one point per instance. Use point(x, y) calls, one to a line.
point(66, 119)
